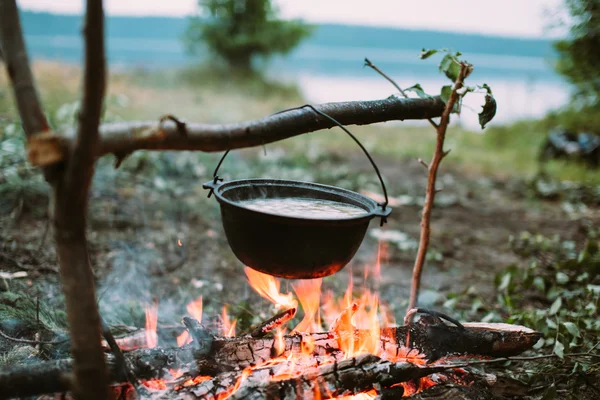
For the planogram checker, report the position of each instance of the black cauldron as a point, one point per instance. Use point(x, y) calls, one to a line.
point(292, 247)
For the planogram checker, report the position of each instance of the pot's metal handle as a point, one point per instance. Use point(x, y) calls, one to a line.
point(384, 210)
point(212, 185)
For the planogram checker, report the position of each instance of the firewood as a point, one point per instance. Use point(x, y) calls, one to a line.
point(273, 323)
point(342, 378)
point(430, 342)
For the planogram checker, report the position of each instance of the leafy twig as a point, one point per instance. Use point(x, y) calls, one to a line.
point(438, 156)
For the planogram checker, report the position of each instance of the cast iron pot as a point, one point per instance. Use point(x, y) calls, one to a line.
point(292, 247)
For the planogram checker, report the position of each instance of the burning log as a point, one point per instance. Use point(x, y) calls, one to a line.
point(427, 343)
point(343, 378)
point(273, 323)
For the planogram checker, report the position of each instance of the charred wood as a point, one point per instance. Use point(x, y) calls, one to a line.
point(227, 354)
point(342, 378)
point(273, 323)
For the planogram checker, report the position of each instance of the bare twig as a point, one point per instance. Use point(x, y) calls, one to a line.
point(17, 64)
point(368, 63)
point(122, 138)
point(438, 155)
point(27, 341)
point(120, 359)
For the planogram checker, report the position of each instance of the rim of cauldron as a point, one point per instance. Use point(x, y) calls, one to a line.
point(370, 206)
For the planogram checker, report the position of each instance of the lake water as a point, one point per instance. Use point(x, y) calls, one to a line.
point(524, 86)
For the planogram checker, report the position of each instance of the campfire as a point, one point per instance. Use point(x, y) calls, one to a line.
point(342, 348)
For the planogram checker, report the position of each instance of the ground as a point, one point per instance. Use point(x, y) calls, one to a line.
point(154, 235)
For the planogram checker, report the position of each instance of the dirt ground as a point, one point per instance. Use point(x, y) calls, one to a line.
point(136, 231)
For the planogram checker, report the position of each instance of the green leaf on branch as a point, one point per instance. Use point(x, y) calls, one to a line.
point(418, 90)
point(450, 66)
point(555, 306)
point(489, 109)
point(446, 92)
point(559, 349)
point(572, 328)
point(426, 53)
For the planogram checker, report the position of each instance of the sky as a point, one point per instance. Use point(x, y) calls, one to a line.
point(516, 18)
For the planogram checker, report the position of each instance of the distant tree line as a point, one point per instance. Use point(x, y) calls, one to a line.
point(241, 32)
point(238, 33)
point(579, 59)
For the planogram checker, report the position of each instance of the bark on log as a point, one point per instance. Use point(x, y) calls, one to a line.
point(227, 354)
point(122, 138)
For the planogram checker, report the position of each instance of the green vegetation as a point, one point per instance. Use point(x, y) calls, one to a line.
point(579, 59)
point(554, 289)
point(579, 63)
point(239, 31)
point(556, 292)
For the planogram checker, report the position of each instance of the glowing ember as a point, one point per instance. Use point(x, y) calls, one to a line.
point(151, 323)
point(196, 380)
point(226, 393)
point(268, 287)
point(155, 384)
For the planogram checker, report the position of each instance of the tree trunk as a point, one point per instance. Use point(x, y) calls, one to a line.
point(78, 287)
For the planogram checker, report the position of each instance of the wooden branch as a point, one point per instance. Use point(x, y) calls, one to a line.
point(375, 68)
point(17, 64)
point(122, 138)
point(438, 156)
point(430, 342)
point(70, 199)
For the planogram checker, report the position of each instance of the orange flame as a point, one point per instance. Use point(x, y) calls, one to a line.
point(183, 339)
point(355, 319)
point(151, 324)
point(195, 309)
point(268, 287)
point(279, 344)
point(309, 295)
point(227, 327)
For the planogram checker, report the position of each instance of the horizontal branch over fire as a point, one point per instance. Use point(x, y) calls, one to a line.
point(122, 138)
